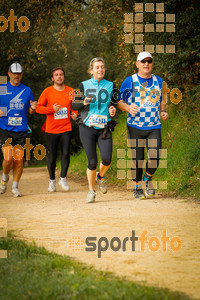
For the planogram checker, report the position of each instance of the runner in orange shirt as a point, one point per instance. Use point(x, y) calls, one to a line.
point(55, 101)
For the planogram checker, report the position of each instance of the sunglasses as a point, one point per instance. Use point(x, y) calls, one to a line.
point(147, 60)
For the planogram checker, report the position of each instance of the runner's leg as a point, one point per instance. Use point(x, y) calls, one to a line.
point(52, 145)
point(65, 152)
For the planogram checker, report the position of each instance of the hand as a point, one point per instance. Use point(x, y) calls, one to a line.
point(33, 105)
point(56, 107)
point(164, 115)
point(87, 100)
point(112, 111)
point(1, 113)
point(133, 109)
point(73, 115)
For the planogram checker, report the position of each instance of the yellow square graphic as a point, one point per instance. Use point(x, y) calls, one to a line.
point(163, 185)
point(121, 163)
point(121, 174)
point(138, 48)
point(149, 7)
point(141, 143)
point(138, 18)
point(121, 153)
point(152, 153)
point(159, 7)
point(131, 153)
point(131, 174)
point(3, 79)
point(170, 48)
point(3, 253)
point(138, 27)
point(138, 7)
point(170, 28)
point(128, 18)
point(130, 185)
point(159, 18)
point(160, 28)
point(149, 28)
point(152, 164)
point(128, 27)
point(152, 143)
point(160, 48)
point(128, 38)
point(149, 48)
point(131, 164)
point(141, 164)
point(139, 38)
point(170, 18)
point(163, 153)
point(131, 142)
point(163, 164)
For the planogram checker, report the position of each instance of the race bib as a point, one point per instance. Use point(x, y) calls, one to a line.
point(62, 113)
point(97, 121)
point(15, 121)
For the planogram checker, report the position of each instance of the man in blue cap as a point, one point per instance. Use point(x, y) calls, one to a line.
point(14, 105)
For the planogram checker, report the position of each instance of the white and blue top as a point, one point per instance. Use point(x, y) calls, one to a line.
point(146, 94)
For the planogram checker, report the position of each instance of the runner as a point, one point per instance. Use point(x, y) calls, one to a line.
point(55, 102)
point(97, 106)
point(14, 127)
point(140, 96)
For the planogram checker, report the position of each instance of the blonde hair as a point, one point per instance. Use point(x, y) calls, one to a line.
point(91, 64)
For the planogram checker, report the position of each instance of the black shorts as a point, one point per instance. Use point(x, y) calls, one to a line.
point(17, 138)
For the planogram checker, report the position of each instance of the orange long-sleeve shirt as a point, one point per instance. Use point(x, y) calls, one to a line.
point(56, 122)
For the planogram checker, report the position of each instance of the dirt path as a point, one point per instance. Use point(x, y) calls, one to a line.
point(52, 220)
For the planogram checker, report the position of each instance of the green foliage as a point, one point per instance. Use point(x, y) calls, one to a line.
point(30, 272)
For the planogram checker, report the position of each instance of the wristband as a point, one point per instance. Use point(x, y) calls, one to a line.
point(163, 111)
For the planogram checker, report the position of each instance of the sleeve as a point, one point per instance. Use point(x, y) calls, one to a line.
point(77, 104)
point(113, 101)
point(41, 106)
point(125, 90)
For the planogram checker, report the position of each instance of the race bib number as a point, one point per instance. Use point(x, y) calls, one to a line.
point(15, 121)
point(62, 113)
point(97, 121)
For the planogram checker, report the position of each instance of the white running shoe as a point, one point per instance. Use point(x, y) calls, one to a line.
point(91, 197)
point(3, 186)
point(63, 183)
point(102, 185)
point(16, 192)
point(52, 186)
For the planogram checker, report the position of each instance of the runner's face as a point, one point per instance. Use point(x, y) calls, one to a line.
point(58, 77)
point(15, 78)
point(98, 70)
point(144, 69)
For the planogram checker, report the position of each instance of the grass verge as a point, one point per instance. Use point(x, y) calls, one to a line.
point(30, 272)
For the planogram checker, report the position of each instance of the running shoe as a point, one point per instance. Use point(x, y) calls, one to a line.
point(138, 194)
point(91, 196)
point(3, 186)
point(16, 192)
point(102, 184)
point(64, 184)
point(149, 190)
point(52, 186)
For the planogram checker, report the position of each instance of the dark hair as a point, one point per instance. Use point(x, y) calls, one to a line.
point(55, 69)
